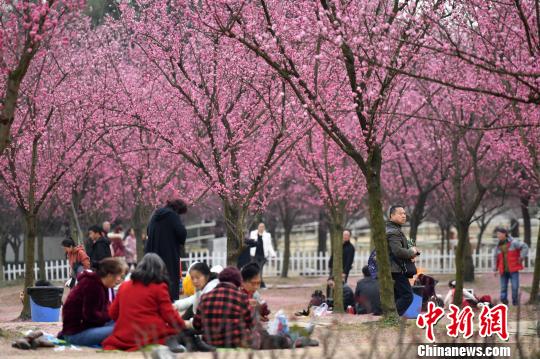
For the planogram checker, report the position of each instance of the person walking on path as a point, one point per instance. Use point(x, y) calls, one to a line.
point(77, 258)
point(509, 256)
point(263, 249)
point(130, 246)
point(99, 246)
point(399, 253)
point(166, 237)
point(348, 255)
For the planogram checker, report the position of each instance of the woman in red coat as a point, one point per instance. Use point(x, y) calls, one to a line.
point(142, 310)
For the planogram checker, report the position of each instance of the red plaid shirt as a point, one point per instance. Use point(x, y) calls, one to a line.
point(224, 317)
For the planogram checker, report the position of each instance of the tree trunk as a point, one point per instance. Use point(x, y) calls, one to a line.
point(417, 215)
point(443, 237)
point(460, 262)
point(536, 277)
point(3, 246)
point(322, 232)
point(483, 228)
point(16, 252)
point(468, 273)
point(234, 223)
point(336, 242)
point(524, 204)
point(42, 275)
point(286, 251)
point(76, 231)
point(378, 234)
point(140, 220)
point(29, 259)
point(15, 77)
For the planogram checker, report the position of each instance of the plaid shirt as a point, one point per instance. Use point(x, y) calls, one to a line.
point(224, 317)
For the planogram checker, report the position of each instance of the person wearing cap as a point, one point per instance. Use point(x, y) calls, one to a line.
point(224, 315)
point(508, 257)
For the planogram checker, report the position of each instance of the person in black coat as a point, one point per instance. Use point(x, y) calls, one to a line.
point(348, 255)
point(367, 294)
point(166, 237)
point(99, 247)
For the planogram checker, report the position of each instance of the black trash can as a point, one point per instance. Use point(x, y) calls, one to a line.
point(45, 303)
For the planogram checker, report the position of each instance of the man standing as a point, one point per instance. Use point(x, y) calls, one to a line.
point(166, 237)
point(348, 255)
point(263, 248)
point(508, 258)
point(399, 253)
point(99, 246)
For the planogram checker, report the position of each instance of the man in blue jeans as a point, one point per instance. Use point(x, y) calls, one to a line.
point(508, 257)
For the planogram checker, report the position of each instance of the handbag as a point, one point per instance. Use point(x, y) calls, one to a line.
point(409, 268)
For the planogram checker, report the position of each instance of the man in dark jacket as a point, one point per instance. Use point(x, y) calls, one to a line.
point(348, 255)
point(367, 294)
point(166, 237)
point(99, 247)
point(399, 253)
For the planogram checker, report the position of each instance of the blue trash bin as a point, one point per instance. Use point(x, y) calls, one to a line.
point(45, 303)
point(415, 308)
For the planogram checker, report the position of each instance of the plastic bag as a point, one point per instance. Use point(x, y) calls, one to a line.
point(279, 325)
point(320, 311)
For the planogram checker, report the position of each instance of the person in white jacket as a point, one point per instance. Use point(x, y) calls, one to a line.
point(204, 280)
point(263, 249)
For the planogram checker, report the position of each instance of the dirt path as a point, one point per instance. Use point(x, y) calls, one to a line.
point(345, 335)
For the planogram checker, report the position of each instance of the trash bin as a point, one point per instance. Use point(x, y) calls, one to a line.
point(414, 309)
point(45, 303)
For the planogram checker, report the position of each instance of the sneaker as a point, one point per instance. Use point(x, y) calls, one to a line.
point(201, 346)
point(22, 344)
point(174, 346)
point(162, 352)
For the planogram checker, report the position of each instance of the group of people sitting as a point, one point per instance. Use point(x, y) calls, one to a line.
point(225, 311)
point(365, 299)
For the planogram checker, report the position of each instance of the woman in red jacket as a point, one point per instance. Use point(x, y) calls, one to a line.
point(142, 310)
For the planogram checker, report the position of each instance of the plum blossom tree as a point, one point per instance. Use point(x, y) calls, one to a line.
point(228, 119)
point(24, 27)
point(415, 167)
point(476, 158)
point(341, 187)
point(53, 133)
point(328, 53)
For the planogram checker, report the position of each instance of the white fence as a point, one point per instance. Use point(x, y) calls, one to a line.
point(300, 263)
point(54, 270)
point(315, 264)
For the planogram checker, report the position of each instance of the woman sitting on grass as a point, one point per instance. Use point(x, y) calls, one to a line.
point(85, 317)
point(142, 308)
point(224, 317)
point(204, 281)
